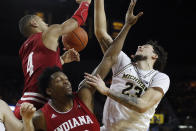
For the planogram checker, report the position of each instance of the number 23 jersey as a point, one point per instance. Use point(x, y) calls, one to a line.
point(131, 81)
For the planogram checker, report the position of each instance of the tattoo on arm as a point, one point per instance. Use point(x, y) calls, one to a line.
point(105, 43)
point(125, 100)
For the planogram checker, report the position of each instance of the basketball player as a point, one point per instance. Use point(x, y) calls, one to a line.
point(9, 122)
point(41, 50)
point(137, 83)
point(65, 110)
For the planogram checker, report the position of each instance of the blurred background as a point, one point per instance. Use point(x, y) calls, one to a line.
point(172, 23)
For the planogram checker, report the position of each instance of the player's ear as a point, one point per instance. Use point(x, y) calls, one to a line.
point(48, 91)
point(33, 23)
point(155, 56)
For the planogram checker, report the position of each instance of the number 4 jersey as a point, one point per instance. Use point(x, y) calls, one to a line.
point(35, 57)
point(129, 80)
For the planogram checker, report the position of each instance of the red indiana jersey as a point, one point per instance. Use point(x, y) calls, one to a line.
point(35, 57)
point(79, 118)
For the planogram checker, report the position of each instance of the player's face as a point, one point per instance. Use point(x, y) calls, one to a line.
point(42, 25)
point(145, 50)
point(60, 84)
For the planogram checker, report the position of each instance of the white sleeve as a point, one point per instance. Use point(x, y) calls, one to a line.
point(161, 80)
point(122, 61)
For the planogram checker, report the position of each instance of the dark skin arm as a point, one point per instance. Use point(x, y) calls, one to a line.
point(39, 121)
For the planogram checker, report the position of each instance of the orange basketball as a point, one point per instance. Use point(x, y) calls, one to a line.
point(77, 39)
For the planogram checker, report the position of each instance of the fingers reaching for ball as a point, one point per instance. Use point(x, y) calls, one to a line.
point(75, 56)
point(70, 56)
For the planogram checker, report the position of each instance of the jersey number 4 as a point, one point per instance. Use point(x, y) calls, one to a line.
point(30, 64)
point(138, 90)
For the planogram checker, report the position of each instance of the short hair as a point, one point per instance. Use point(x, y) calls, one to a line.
point(162, 55)
point(45, 79)
point(23, 24)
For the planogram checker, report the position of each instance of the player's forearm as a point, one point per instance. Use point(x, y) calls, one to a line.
point(28, 125)
point(133, 103)
point(117, 45)
point(68, 26)
point(79, 18)
point(81, 13)
point(104, 41)
point(102, 69)
point(100, 25)
point(99, 17)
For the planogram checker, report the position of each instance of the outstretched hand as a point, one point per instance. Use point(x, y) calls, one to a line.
point(70, 56)
point(27, 111)
point(131, 19)
point(96, 82)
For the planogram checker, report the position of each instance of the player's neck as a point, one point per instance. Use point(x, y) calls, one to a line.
point(145, 65)
point(34, 31)
point(62, 105)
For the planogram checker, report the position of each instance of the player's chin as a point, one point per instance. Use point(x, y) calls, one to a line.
point(69, 91)
point(138, 53)
point(69, 94)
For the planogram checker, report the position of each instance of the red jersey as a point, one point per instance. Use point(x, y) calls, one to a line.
point(35, 57)
point(79, 118)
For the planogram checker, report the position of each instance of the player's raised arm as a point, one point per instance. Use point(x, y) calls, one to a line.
point(100, 25)
point(111, 55)
point(51, 35)
point(130, 20)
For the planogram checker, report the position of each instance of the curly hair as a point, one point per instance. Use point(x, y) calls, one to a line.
point(45, 79)
point(162, 55)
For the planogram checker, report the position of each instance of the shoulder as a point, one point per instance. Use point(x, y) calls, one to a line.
point(53, 29)
point(52, 32)
point(3, 105)
point(122, 54)
point(54, 26)
point(2, 102)
point(161, 80)
point(122, 59)
point(160, 75)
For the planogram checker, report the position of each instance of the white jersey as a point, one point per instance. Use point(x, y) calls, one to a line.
point(130, 80)
point(2, 127)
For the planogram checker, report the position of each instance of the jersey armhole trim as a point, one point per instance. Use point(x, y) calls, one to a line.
point(124, 68)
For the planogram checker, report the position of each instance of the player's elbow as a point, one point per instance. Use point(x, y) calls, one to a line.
point(110, 59)
point(141, 110)
point(99, 33)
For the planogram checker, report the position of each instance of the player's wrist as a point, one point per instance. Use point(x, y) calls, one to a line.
point(85, 2)
point(128, 25)
point(107, 92)
point(26, 119)
point(81, 13)
point(62, 61)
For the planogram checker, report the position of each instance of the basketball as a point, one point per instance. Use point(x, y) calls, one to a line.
point(77, 39)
